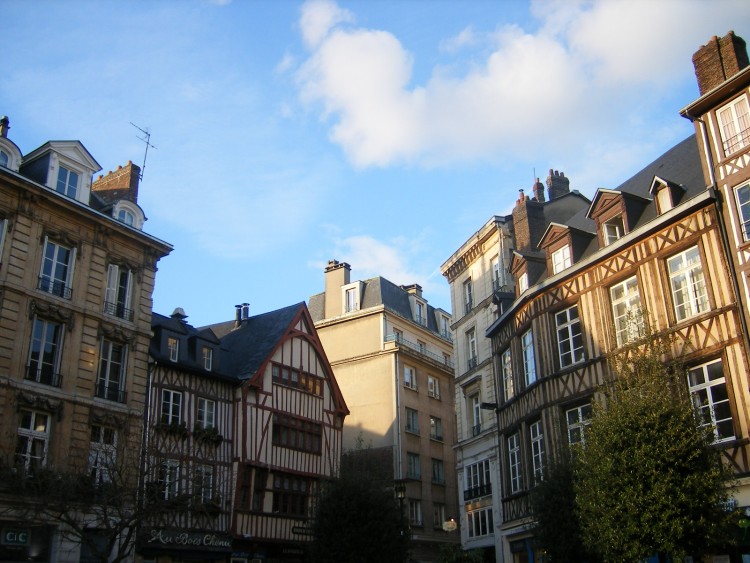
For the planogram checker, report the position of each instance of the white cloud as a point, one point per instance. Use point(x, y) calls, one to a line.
point(587, 68)
point(317, 19)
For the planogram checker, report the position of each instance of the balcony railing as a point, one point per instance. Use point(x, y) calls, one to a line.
point(468, 306)
point(471, 363)
point(54, 287)
point(118, 310)
point(111, 392)
point(43, 374)
point(476, 429)
point(401, 341)
point(478, 491)
point(736, 142)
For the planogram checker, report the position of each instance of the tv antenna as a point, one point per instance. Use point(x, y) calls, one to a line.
point(146, 139)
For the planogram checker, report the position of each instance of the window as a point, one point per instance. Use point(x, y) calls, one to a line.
point(735, 125)
point(433, 387)
point(110, 383)
point(578, 419)
point(290, 494)
point(436, 428)
point(708, 391)
point(422, 346)
point(614, 229)
point(471, 348)
point(438, 472)
point(497, 274)
point(507, 369)
point(203, 483)
point(626, 310)
point(514, 463)
point(569, 337)
point(173, 346)
point(415, 512)
point(206, 413)
point(413, 469)
point(33, 440)
point(350, 296)
point(421, 315)
point(476, 410)
point(398, 335)
point(527, 348)
point(171, 406)
point(438, 515)
point(477, 479)
point(410, 377)
point(688, 284)
point(67, 182)
point(3, 230)
point(57, 269)
point(479, 522)
point(743, 204)
point(445, 325)
point(468, 296)
point(412, 421)
point(169, 479)
point(102, 453)
point(208, 358)
point(125, 216)
point(523, 283)
point(291, 377)
point(119, 290)
point(297, 433)
point(561, 259)
point(537, 450)
point(4, 159)
point(45, 352)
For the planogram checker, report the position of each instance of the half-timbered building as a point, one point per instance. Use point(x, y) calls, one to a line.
point(76, 278)
point(652, 245)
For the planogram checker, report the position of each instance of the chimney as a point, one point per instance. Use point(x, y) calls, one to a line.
point(179, 314)
point(528, 222)
point(538, 191)
point(120, 184)
point(557, 184)
point(337, 274)
point(413, 289)
point(245, 311)
point(4, 126)
point(718, 60)
point(237, 315)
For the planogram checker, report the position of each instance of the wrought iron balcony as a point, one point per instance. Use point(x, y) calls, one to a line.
point(118, 310)
point(43, 374)
point(476, 429)
point(111, 392)
point(54, 287)
point(401, 341)
point(478, 491)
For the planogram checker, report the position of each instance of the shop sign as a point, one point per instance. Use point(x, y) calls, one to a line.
point(15, 536)
point(189, 539)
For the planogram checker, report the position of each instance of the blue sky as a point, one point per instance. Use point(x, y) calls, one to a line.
point(381, 133)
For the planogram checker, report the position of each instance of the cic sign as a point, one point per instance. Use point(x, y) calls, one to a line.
point(15, 536)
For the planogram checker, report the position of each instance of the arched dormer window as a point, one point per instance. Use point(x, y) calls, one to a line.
point(129, 213)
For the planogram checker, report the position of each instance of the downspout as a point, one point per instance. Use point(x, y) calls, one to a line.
point(399, 455)
point(722, 226)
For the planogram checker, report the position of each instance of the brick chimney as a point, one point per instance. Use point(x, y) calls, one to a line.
point(337, 274)
point(557, 184)
point(719, 60)
point(538, 191)
point(120, 184)
point(528, 222)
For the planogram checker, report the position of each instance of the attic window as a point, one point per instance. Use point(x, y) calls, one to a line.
point(664, 200)
point(523, 283)
point(67, 182)
point(125, 216)
point(561, 259)
point(735, 125)
point(4, 159)
point(613, 230)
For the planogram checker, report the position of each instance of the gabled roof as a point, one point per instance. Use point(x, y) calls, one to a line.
point(71, 149)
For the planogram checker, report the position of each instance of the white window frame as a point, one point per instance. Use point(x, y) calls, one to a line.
point(412, 420)
point(561, 259)
point(203, 483)
point(169, 479)
point(478, 479)
point(111, 373)
point(479, 522)
point(445, 327)
point(476, 409)
point(436, 428)
point(415, 512)
point(688, 284)
point(433, 387)
point(626, 311)
point(734, 125)
point(173, 347)
point(45, 351)
point(709, 394)
point(63, 184)
point(206, 416)
point(410, 377)
point(471, 348)
point(420, 313)
point(118, 295)
point(102, 453)
point(56, 271)
point(506, 366)
point(529, 363)
point(536, 434)
point(497, 273)
point(569, 337)
point(578, 419)
point(350, 299)
point(33, 439)
point(514, 463)
point(413, 466)
point(614, 229)
point(171, 406)
point(468, 296)
point(742, 195)
point(208, 357)
point(523, 283)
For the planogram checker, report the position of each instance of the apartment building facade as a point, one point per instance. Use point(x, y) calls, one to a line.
point(393, 358)
point(76, 279)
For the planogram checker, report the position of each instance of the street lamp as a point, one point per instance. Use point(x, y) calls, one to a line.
point(399, 487)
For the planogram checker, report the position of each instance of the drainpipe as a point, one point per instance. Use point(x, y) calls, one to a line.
point(722, 226)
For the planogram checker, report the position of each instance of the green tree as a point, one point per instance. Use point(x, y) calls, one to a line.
point(647, 479)
point(356, 519)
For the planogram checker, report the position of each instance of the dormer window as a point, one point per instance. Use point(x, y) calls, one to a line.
point(420, 315)
point(129, 213)
point(523, 283)
point(208, 356)
point(125, 216)
point(4, 159)
point(613, 230)
point(735, 125)
point(67, 182)
point(173, 347)
point(561, 259)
